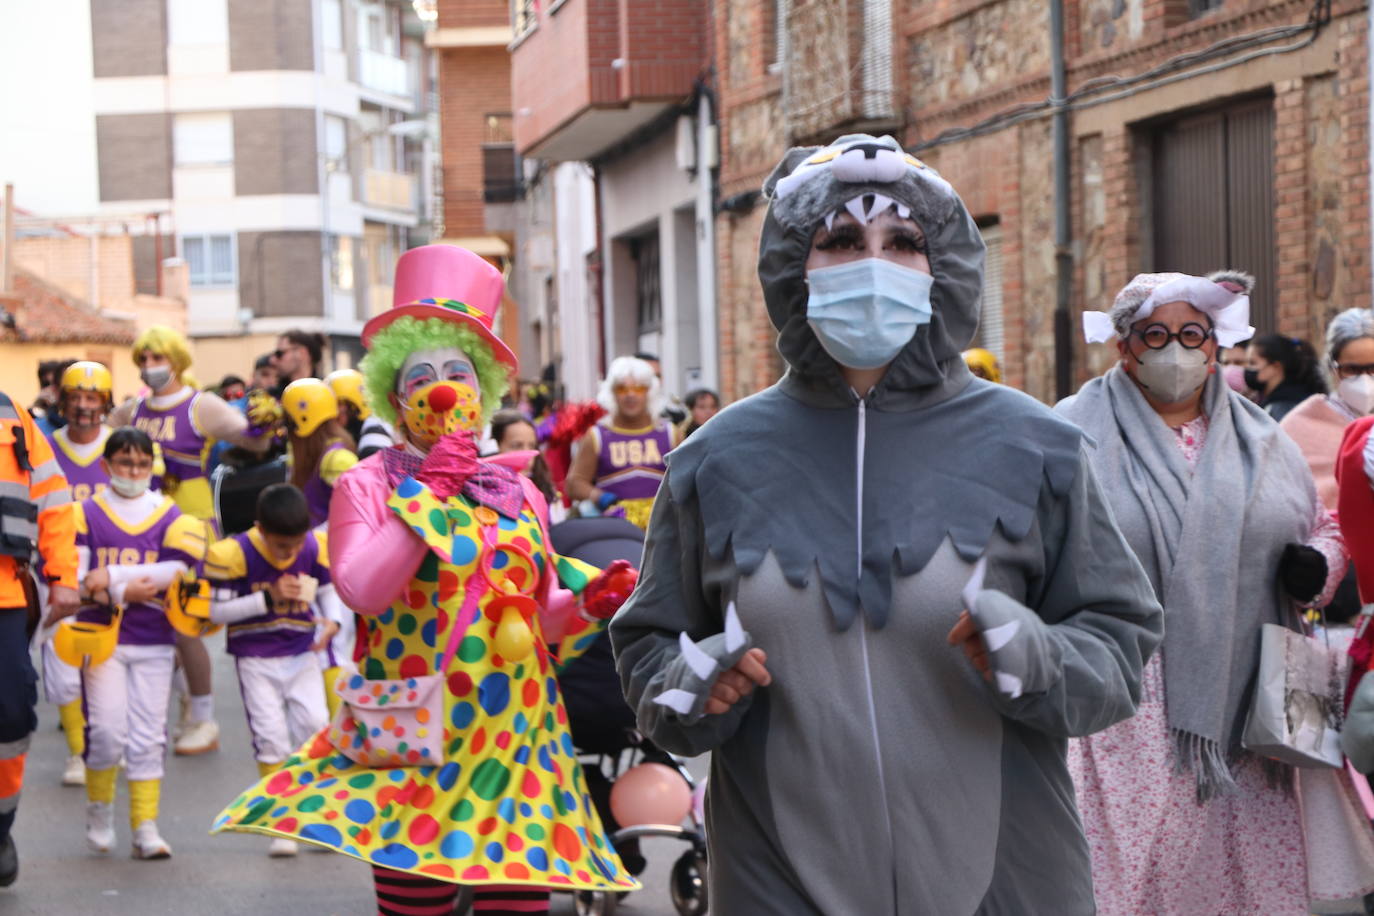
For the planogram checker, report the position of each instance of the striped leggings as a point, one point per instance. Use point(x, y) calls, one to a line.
point(401, 894)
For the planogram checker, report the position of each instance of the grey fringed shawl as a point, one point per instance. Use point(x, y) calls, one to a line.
point(1210, 541)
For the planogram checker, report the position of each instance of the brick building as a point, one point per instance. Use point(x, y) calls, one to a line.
point(481, 181)
point(1252, 153)
point(611, 98)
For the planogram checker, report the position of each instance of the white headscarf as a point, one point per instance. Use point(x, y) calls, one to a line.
point(1227, 306)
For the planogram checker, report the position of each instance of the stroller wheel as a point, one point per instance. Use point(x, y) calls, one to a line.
point(595, 903)
point(687, 884)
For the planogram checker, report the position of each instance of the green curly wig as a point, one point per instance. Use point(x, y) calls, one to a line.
point(398, 340)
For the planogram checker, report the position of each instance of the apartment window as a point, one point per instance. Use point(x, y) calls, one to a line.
point(775, 42)
point(990, 335)
point(648, 294)
point(500, 165)
point(210, 259)
point(331, 24)
point(341, 261)
point(203, 139)
point(197, 22)
point(523, 15)
point(336, 142)
point(1213, 200)
point(1197, 8)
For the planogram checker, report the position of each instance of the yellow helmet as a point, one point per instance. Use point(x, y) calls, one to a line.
point(347, 385)
point(79, 643)
point(310, 404)
point(983, 363)
point(188, 606)
point(87, 375)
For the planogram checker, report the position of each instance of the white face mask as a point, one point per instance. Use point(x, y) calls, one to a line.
point(129, 488)
point(1357, 393)
point(1173, 373)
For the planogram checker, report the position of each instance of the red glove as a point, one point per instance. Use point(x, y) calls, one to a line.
point(608, 591)
point(449, 464)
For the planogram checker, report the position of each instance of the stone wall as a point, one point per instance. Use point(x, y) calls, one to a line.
point(983, 51)
point(1104, 24)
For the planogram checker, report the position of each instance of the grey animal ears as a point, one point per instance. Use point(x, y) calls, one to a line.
point(1237, 281)
point(794, 157)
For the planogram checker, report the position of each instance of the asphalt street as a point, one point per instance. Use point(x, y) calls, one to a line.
point(222, 875)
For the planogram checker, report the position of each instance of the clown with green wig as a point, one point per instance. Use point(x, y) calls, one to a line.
point(450, 762)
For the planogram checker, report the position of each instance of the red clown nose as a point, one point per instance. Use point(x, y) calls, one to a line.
point(443, 397)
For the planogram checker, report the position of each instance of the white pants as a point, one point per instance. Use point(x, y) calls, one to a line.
point(284, 701)
point(61, 682)
point(126, 710)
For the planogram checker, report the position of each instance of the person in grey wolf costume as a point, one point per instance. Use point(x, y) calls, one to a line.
point(878, 773)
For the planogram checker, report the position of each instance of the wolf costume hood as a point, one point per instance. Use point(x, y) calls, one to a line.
point(810, 184)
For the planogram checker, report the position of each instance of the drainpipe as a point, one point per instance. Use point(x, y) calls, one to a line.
point(1063, 228)
point(600, 281)
point(7, 267)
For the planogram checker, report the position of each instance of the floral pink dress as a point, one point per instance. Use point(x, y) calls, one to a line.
point(1154, 849)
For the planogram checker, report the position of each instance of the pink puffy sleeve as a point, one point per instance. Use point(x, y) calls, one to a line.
point(372, 553)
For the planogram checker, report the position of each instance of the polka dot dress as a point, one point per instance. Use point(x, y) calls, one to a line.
point(508, 804)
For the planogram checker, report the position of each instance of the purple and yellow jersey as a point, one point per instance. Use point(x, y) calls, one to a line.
point(241, 565)
point(85, 476)
point(336, 459)
point(629, 463)
point(185, 451)
point(166, 534)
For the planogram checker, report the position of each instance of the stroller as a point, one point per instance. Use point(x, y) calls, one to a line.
point(603, 729)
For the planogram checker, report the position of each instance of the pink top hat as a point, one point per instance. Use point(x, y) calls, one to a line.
point(448, 283)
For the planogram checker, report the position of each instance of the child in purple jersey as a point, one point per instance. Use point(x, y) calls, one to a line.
point(84, 392)
point(272, 587)
point(131, 544)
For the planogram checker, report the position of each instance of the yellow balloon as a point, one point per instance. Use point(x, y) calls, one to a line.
point(514, 640)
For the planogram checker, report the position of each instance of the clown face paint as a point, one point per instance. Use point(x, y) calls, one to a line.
point(438, 393)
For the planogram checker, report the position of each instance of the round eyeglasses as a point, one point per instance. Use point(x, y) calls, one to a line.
point(1157, 336)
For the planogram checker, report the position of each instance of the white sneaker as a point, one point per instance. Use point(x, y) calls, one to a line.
point(184, 719)
point(282, 848)
point(198, 738)
point(149, 844)
point(100, 832)
point(75, 773)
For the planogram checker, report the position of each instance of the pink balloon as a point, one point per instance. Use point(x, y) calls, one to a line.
point(651, 793)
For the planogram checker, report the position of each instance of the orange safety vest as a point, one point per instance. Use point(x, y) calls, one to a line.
point(35, 508)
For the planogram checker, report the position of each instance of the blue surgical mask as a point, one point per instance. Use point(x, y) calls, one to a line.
point(866, 311)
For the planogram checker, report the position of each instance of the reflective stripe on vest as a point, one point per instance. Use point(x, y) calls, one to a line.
point(12, 772)
point(18, 511)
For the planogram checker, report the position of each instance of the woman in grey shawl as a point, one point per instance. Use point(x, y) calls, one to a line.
point(803, 609)
point(1220, 507)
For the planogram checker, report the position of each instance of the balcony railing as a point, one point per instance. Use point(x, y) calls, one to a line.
point(393, 190)
point(383, 73)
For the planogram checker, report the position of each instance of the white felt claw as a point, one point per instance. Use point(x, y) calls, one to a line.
point(702, 665)
point(679, 701)
point(975, 583)
point(734, 631)
point(880, 204)
point(997, 637)
point(830, 221)
point(856, 210)
point(1009, 684)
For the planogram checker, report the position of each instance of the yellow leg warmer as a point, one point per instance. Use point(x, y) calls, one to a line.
point(73, 726)
point(144, 795)
point(265, 769)
point(100, 785)
point(331, 696)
